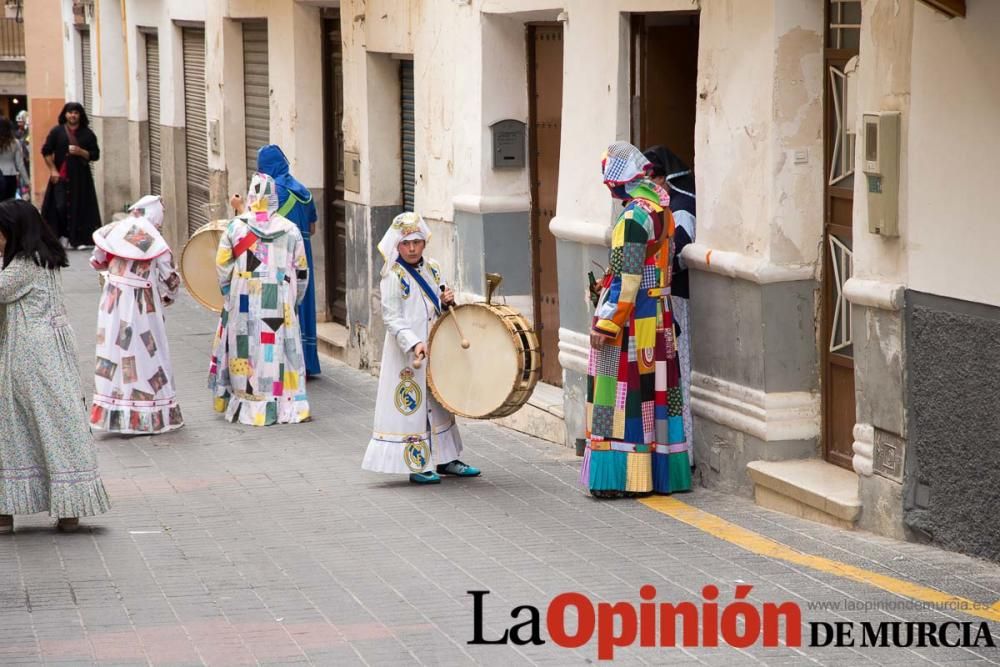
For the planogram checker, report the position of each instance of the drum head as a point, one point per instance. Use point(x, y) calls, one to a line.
point(476, 381)
point(197, 264)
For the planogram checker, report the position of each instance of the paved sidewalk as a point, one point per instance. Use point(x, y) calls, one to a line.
point(229, 545)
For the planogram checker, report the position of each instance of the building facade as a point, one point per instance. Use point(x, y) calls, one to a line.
point(845, 308)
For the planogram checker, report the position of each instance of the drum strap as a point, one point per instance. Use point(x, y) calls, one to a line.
point(244, 244)
point(430, 293)
point(289, 204)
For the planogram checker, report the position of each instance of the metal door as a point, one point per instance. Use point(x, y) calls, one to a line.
point(195, 127)
point(86, 70)
point(545, 82)
point(334, 217)
point(256, 91)
point(409, 133)
point(153, 110)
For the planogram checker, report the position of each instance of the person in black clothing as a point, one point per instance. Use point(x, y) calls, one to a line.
point(673, 174)
point(70, 204)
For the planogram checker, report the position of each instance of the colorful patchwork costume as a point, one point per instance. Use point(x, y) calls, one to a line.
point(134, 380)
point(257, 372)
point(636, 441)
point(402, 441)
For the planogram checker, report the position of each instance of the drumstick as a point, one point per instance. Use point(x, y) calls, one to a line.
point(454, 318)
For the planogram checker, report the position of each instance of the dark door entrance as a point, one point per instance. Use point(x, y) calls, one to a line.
point(545, 68)
point(664, 77)
point(334, 219)
point(842, 38)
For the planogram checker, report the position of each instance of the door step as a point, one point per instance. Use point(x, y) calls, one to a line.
point(542, 416)
point(808, 488)
point(331, 340)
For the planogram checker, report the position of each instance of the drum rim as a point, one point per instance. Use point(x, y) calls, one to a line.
point(212, 225)
point(503, 409)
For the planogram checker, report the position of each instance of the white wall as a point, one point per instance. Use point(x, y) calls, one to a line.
point(954, 154)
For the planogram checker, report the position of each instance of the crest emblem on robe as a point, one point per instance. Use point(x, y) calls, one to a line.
point(407, 395)
point(416, 453)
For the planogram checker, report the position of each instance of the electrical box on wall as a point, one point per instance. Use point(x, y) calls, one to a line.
point(352, 171)
point(881, 167)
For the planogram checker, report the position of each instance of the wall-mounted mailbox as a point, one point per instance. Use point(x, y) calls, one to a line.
point(352, 171)
point(508, 144)
point(881, 167)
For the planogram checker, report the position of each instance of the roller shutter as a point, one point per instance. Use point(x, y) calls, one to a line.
point(153, 110)
point(196, 129)
point(256, 91)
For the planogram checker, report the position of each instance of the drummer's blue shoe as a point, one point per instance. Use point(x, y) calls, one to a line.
point(429, 477)
point(458, 469)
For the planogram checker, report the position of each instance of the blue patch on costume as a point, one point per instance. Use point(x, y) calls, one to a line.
point(660, 412)
point(675, 427)
point(634, 432)
point(244, 303)
point(645, 307)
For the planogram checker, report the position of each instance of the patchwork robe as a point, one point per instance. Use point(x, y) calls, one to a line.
point(413, 432)
point(257, 371)
point(134, 389)
point(636, 439)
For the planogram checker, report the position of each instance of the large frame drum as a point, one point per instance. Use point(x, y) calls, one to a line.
point(197, 264)
point(495, 376)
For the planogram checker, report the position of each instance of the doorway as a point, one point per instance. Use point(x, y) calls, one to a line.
point(663, 81)
point(545, 81)
point(843, 20)
point(334, 218)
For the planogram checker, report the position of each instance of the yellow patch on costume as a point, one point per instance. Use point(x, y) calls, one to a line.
point(301, 262)
point(253, 286)
point(239, 367)
point(288, 315)
point(223, 256)
point(618, 235)
point(645, 333)
point(291, 380)
point(258, 419)
point(259, 206)
point(219, 404)
point(618, 425)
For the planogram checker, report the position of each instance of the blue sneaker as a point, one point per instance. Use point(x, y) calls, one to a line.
point(458, 469)
point(429, 477)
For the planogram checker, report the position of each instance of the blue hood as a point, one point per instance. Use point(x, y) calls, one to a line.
point(271, 161)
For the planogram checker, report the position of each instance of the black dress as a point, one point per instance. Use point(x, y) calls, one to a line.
point(70, 206)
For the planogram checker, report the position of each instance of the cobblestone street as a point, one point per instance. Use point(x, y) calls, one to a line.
point(229, 545)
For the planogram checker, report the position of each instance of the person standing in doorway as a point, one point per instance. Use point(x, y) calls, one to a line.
point(295, 202)
point(48, 461)
point(671, 172)
point(70, 204)
point(23, 135)
point(11, 161)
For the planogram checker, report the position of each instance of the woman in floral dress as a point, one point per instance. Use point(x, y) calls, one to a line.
point(134, 380)
point(48, 461)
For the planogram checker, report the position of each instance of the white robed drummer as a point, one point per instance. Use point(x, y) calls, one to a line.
point(413, 433)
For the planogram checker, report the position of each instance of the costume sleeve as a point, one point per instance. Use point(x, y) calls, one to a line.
point(15, 280)
point(92, 147)
point(301, 266)
point(22, 171)
point(311, 215)
point(99, 259)
point(169, 279)
point(392, 314)
point(628, 254)
point(682, 237)
point(49, 147)
point(225, 262)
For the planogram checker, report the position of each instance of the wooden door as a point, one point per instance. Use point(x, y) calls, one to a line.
point(843, 21)
point(663, 82)
point(545, 78)
point(334, 218)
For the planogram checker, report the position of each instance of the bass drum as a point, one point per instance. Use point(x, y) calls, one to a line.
point(197, 265)
point(495, 376)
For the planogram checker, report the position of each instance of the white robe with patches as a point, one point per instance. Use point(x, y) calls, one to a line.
point(406, 413)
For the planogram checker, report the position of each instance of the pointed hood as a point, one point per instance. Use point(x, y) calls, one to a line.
point(261, 213)
point(149, 207)
point(272, 161)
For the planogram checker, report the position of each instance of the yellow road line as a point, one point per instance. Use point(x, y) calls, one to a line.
point(756, 543)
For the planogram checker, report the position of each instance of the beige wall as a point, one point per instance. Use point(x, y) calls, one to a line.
point(44, 72)
point(953, 157)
